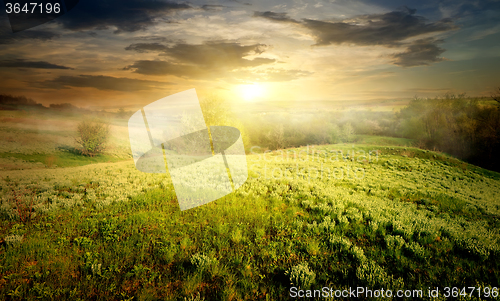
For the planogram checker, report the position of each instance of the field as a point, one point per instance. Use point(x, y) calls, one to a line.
point(378, 214)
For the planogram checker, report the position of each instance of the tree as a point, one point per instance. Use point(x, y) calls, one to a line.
point(92, 136)
point(496, 95)
point(122, 113)
point(277, 136)
point(347, 132)
point(334, 132)
point(217, 111)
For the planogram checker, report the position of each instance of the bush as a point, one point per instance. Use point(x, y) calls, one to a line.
point(301, 276)
point(201, 261)
point(92, 136)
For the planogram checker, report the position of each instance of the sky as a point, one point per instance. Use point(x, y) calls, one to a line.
point(110, 54)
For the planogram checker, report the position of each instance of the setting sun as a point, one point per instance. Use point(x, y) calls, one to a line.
point(250, 92)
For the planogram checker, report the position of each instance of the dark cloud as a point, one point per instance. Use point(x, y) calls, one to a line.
point(21, 63)
point(420, 52)
point(102, 82)
point(198, 60)
point(125, 15)
point(212, 7)
point(239, 2)
point(7, 37)
point(388, 29)
point(147, 47)
point(161, 68)
point(215, 54)
point(280, 17)
point(476, 8)
point(216, 60)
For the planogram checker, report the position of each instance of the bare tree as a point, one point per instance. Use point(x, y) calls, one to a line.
point(496, 95)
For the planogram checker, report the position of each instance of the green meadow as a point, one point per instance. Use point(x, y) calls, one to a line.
point(376, 213)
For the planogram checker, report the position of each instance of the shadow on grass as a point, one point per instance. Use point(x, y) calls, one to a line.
point(72, 156)
point(69, 149)
point(64, 156)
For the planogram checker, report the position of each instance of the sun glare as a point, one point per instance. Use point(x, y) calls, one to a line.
point(251, 92)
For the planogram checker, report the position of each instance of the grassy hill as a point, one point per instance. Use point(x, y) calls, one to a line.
point(47, 139)
point(337, 216)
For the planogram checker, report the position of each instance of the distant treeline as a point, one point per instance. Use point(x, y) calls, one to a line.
point(464, 127)
point(9, 102)
point(467, 128)
point(283, 130)
point(14, 102)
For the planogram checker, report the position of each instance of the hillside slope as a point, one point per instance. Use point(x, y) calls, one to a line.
point(336, 216)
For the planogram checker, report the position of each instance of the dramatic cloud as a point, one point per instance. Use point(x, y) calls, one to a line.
point(384, 29)
point(125, 15)
point(147, 47)
point(212, 7)
point(280, 17)
point(21, 63)
point(198, 60)
point(161, 68)
point(102, 82)
point(388, 29)
point(210, 54)
point(420, 52)
point(42, 35)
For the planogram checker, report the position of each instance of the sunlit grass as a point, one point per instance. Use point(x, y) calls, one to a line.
point(393, 228)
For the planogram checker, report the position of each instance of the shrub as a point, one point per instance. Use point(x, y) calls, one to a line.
point(328, 224)
point(92, 136)
point(200, 261)
point(301, 276)
point(417, 250)
point(394, 242)
point(13, 240)
point(371, 273)
point(196, 297)
point(358, 253)
point(340, 243)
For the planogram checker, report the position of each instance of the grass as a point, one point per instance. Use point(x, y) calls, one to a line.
point(381, 140)
point(377, 213)
point(63, 158)
point(49, 140)
point(416, 219)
